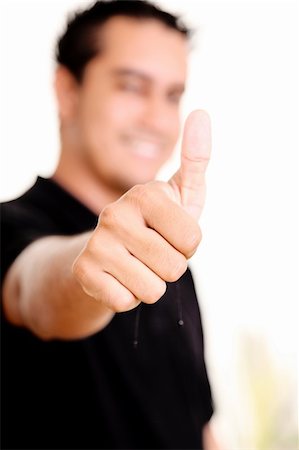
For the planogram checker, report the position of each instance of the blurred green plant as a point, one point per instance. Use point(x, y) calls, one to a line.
point(272, 398)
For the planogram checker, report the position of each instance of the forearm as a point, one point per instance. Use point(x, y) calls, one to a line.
point(209, 439)
point(41, 293)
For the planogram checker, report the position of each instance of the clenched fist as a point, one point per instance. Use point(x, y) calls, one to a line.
point(145, 238)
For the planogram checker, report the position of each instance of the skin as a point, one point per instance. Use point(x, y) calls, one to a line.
point(128, 103)
point(118, 126)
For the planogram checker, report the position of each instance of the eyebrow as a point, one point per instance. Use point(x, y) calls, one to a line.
point(123, 72)
point(132, 73)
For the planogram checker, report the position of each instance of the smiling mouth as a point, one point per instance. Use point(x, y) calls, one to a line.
point(145, 149)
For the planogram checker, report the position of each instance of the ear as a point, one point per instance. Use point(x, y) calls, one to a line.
point(66, 89)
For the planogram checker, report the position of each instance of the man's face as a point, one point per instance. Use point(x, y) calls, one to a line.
point(127, 113)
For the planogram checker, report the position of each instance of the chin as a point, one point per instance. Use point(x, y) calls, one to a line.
point(129, 182)
point(143, 179)
point(121, 180)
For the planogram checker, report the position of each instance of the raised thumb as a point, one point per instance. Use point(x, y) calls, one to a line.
point(189, 180)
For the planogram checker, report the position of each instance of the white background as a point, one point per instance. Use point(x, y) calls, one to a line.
point(244, 71)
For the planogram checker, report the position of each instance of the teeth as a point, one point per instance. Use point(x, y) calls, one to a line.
point(145, 149)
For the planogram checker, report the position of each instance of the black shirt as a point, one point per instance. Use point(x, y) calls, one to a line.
point(101, 391)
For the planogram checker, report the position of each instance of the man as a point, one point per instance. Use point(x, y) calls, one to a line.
point(102, 338)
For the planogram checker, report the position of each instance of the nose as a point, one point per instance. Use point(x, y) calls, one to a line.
point(160, 116)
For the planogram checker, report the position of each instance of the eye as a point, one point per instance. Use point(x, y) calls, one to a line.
point(131, 86)
point(175, 97)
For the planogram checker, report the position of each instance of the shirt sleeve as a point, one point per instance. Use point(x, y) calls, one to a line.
point(20, 226)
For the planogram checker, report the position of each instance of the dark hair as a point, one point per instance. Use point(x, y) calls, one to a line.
point(79, 43)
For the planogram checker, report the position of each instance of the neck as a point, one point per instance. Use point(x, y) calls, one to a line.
point(75, 178)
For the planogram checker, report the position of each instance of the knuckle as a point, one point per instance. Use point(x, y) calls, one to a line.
point(79, 268)
point(118, 303)
point(176, 269)
point(108, 216)
point(146, 197)
point(192, 241)
point(155, 292)
point(116, 307)
point(83, 272)
point(139, 196)
point(123, 304)
point(146, 192)
point(137, 193)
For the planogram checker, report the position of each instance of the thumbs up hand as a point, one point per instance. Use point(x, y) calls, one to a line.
point(144, 239)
